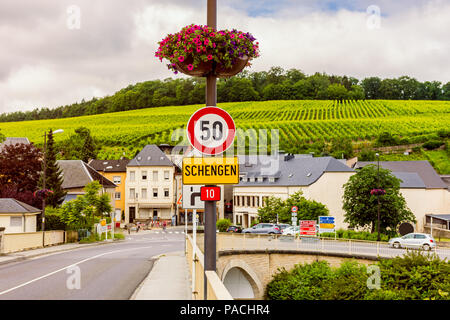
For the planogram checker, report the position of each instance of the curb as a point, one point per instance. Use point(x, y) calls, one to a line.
point(139, 287)
point(56, 251)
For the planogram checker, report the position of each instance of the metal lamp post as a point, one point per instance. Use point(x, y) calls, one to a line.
point(378, 197)
point(44, 177)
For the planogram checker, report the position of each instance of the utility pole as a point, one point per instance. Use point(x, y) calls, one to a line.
point(210, 206)
point(378, 197)
point(44, 187)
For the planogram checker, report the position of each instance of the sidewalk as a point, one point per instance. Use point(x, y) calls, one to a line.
point(27, 254)
point(168, 280)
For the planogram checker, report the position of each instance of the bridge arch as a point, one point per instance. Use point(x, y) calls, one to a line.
point(242, 281)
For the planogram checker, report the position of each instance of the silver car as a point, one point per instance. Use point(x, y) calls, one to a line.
point(269, 228)
point(414, 240)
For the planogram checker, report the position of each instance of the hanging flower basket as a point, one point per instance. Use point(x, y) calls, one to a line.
point(201, 50)
point(43, 193)
point(378, 192)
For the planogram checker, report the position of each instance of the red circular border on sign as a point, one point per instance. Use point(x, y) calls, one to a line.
point(221, 113)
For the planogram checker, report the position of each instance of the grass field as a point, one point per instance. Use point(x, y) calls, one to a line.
point(298, 121)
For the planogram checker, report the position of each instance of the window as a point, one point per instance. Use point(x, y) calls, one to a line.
point(419, 236)
point(144, 193)
point(155, 175)
point(117, 179)
point(132, 175)
point(144, 175)
point(257, 201)
point(166, 175)
point(248, 201)
point(408, 236)
point(155, 192)
point(166, 192)
point(132, 193)
point(15, 222)
point(117, 195)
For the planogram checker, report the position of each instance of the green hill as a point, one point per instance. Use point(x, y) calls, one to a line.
point(298, 122)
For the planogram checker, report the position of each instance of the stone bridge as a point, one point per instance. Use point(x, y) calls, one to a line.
point(245, 265)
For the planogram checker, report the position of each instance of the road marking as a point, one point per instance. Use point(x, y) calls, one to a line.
point(72, 265)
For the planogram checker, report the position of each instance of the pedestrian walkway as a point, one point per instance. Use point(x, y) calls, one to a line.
point(168, 280)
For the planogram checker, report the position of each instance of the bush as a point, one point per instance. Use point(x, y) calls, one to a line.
point(223, 224)
point(54, 222)
point(358, 235)
point(304, 282)
point(433, 144)
point(413, 276)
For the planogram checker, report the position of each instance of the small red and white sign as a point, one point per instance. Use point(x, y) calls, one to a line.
point(210, 193)
point(294, 209)
point(211, 130)
point(308, 227)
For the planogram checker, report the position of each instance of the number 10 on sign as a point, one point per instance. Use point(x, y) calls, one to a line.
point(210, 193)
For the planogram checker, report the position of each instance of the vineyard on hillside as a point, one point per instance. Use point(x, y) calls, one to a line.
point(298, 121)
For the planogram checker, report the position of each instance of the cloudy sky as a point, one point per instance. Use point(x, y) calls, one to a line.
point(57, 52)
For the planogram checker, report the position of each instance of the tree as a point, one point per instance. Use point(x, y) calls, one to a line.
point(81, 145)
point(337, 92)
point(371, 87)
point(81, 212)
point(307, 209)
point(20, 168)
point(360, 205)
point(341, 147)
point(53, 178)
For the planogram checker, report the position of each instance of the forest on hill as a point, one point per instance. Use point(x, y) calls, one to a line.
point(275, 84)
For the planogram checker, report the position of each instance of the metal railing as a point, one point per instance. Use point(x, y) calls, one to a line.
point(237, 241)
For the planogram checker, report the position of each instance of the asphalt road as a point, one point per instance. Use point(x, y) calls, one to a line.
point(110, 271)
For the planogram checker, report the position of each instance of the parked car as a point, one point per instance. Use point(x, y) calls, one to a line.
point(292, 230)
point(283, 226)
point(269, 228)
point(414, 240)
point(236, 229)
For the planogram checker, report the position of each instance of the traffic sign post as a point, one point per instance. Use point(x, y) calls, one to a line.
point(327, 224)
point(308, 227)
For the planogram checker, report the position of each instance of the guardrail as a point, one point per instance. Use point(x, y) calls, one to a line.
point(216, 290)
point(239, 241)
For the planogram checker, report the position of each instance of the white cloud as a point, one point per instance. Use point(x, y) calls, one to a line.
point(44, 64)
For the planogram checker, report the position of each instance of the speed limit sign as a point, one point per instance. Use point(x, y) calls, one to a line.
point(211, 130)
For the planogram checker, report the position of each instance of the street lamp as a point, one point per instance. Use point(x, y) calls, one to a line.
point(378, 195)
point(44, 177)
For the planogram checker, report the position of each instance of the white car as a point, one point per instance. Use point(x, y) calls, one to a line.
point(291, 230)
point(414, 240)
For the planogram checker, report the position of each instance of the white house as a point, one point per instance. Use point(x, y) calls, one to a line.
point(17, 217)
point(319, 179)
point(150, 187)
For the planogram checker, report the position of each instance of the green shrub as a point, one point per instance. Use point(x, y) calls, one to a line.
point(413, 276)
point(433, 144)
point(349, 282)
point(304, 282)
point(54, 222)
point(444, 133)
point(223, 224)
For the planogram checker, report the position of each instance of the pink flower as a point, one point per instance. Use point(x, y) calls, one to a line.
point(232, 36)
point(181, 58)
point(206, 41)
point(212, 34)
point(190, 67)
point(210, 57)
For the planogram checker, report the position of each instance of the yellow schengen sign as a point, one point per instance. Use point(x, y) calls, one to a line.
point(210, 171)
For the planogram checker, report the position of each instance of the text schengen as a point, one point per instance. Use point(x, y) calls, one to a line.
point(211, 170)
